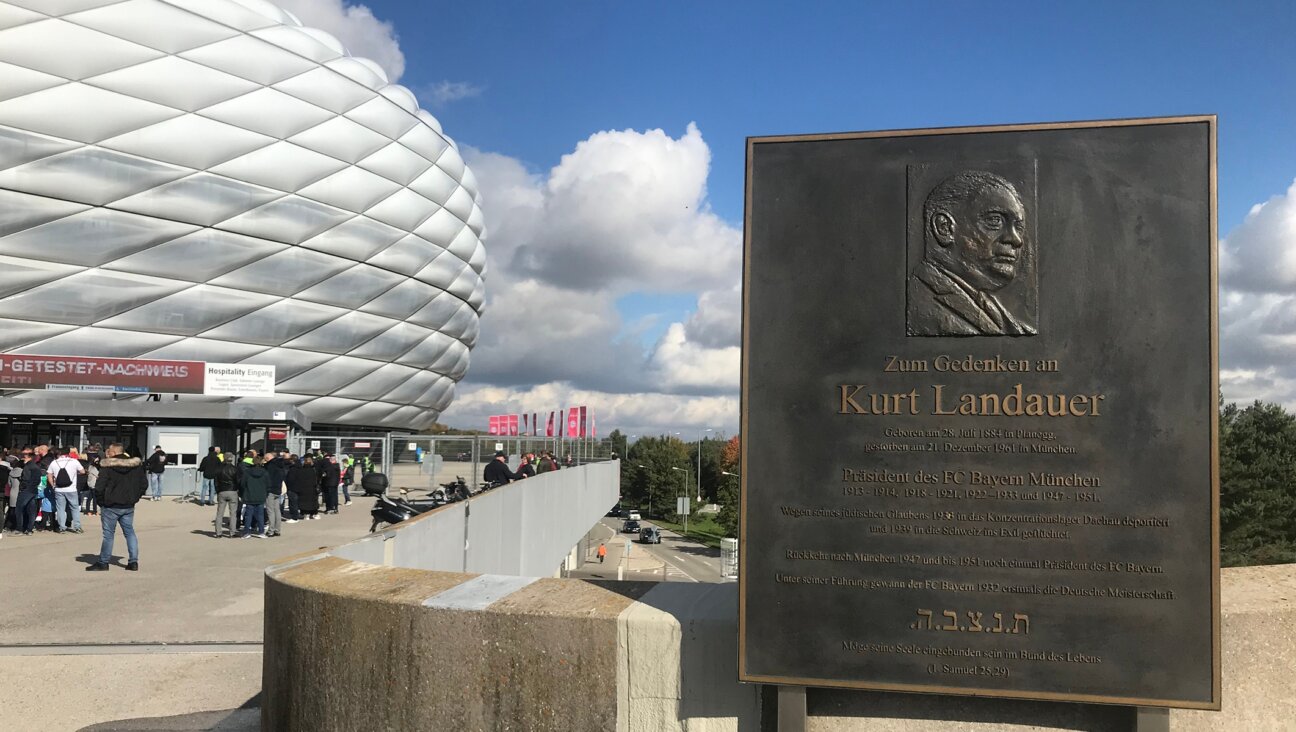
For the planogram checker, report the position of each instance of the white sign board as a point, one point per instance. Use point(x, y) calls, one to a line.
point(499, 446)
point(315, 444)
point(239, 380)
point(361, 445)
point(682, 505)
point(413, 446)
point(178, 443)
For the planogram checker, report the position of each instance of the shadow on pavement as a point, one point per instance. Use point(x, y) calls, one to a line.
point(691, 548)
point(246, 718)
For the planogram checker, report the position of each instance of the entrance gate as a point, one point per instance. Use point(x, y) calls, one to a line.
point(376, 447)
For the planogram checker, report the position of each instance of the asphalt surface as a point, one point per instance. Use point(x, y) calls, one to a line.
point(675, 559)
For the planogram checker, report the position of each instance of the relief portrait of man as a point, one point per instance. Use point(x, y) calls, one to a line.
point(974, 239)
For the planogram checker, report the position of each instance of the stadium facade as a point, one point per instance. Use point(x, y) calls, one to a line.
point(208, 180)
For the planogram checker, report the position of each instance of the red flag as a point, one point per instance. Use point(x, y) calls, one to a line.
point(524, 424)
point(493, 425)
point(593, 428)
point(582, 421)
point(573, 422)
point(513, 425)
point(549, 426)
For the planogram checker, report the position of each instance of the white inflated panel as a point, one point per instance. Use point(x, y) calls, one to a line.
point(210, 180)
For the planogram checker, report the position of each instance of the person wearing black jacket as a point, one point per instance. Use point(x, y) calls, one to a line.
point(497, 471)
point(303, 485)
point(29, 489)
point(211, 463)
point(155, 467)
point(527, 468)
point(120, 486)
point(330, 477)
point(277, 470)
point(227, 495)
point(253, 491)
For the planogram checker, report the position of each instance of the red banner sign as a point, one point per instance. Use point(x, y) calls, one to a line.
point(493, 425)
point(513, 425)
point(82, 373)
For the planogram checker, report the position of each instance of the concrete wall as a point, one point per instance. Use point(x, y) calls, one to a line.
point(525, 528)
point(351, 644)
point(358, 646)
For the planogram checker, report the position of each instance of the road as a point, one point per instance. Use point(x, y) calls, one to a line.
point(676, 559)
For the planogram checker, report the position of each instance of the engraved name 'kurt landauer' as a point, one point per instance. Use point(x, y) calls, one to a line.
point(1016, 402)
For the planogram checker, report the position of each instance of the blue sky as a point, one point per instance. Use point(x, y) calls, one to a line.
point(524, 84)
point(552, 73)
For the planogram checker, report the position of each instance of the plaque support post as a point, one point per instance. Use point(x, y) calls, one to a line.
point(792, 709)
point(1147, 719)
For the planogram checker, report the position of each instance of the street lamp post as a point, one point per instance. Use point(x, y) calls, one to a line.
point(645, 467)
point(699, 466)
point(683, 492)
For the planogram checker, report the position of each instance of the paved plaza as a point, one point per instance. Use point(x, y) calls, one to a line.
point(180, 637)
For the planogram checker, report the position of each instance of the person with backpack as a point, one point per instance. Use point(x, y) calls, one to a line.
point(63, 472)
point(155, 466)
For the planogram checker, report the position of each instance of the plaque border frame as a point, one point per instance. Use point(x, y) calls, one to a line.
point(1215, 701)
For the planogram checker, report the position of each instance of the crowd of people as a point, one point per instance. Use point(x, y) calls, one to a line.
point(497, 471)
point(256, 494)
point(51, 489)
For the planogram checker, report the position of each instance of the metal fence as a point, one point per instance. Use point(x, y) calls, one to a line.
point(426, 461)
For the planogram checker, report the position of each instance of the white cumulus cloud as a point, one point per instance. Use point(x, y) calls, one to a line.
point(1259, 256)
point(355, 25)
point(625, 212)
point(1258, 304)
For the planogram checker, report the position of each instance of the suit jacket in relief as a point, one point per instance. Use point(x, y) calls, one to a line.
point(940, 306)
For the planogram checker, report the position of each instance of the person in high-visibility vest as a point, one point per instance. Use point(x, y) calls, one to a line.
point(602, 552)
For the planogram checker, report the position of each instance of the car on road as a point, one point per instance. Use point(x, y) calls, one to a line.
point(615, 512)
point(650, 535)
point(630, 527)
point(634, 515)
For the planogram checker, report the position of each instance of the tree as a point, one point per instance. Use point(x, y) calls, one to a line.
point(711, 478)
point(1257, 485)
point(654, 486)
point(617, 443)
point(729, 487)
point(731, 454)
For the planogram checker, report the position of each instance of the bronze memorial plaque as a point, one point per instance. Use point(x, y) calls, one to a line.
point(979, 412)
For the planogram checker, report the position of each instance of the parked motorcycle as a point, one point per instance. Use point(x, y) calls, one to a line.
point(455, 490)
point(374, 484)
point(388, 510)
